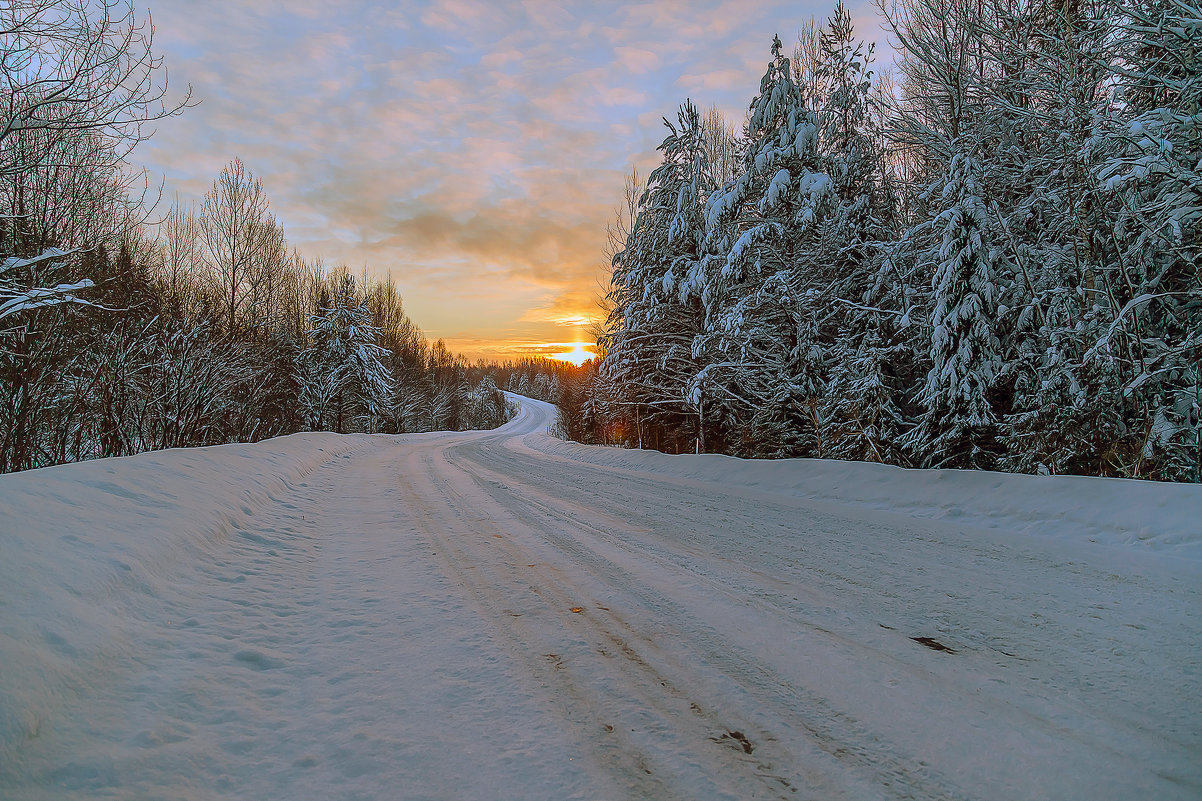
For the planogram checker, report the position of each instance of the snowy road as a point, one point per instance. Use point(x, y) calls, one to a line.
point(492, 615)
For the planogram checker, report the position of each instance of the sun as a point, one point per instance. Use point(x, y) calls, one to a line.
point(578, 355)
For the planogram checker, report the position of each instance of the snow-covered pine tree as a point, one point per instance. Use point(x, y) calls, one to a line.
point(1155, 182)
point(861, 404)
point(657, 285)
point(860, 347)
point(762, 309)
point(958, 426)
point(341, 375)
point(541, 387)
point(929, 117)
point(1040, 119)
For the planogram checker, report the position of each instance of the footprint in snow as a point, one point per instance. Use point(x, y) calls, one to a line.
point(259, 660)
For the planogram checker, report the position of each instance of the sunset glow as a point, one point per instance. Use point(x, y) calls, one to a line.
point(578, 355)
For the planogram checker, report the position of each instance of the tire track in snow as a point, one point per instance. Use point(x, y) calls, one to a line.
point(561, 647)
point(834, 733)
point(923, 577)
point(783, 708)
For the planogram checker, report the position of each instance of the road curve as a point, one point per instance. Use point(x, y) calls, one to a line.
point(478, 615)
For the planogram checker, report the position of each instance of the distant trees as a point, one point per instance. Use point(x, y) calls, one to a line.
point(577, 391)
point(990, 260)
point(150, 359)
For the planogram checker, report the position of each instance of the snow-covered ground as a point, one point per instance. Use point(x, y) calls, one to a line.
point(499, 615)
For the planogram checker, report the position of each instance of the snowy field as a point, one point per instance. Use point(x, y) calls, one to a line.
point(500, 615)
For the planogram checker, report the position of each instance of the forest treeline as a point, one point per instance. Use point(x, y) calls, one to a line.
point(121, 331)
point(987, 258)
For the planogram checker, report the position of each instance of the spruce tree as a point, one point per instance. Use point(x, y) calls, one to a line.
point(342, 376)
point(957, 428)
point(657, 284)
point(762, 309)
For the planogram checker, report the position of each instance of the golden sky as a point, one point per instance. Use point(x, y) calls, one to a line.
point(474, 150)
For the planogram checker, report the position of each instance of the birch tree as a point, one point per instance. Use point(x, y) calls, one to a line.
point(237, 233)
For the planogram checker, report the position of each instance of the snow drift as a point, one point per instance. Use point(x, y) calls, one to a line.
point(80, 540)
point(1143, 515)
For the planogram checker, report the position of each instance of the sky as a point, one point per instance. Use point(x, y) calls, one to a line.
point(475, 151)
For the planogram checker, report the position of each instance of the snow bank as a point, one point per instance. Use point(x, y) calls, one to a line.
point(1144, 515)
point(78, 540)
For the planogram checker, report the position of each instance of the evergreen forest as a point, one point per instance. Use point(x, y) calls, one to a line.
point(986, 258)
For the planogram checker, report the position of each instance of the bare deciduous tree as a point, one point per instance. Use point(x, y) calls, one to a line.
point(69, 67)
point(721, 146)
point(236, 229)
point(179, 247)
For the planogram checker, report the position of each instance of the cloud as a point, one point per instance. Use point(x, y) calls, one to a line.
point(578, 306)
point(636, 60)
point(715, 81)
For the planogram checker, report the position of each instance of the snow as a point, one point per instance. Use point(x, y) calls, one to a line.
point(15, 299)
point(776, 190)
point(505, 615)
point(815, 184)
point(1132, 516)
